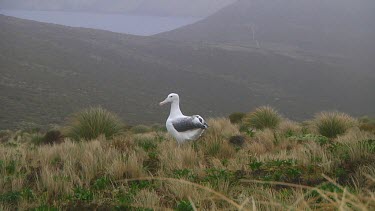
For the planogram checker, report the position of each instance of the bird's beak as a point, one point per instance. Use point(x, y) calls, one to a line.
point(162, 103)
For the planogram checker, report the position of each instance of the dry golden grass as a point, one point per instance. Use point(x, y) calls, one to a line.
point(147, 198)
point(289, 127)
point(270, 171)
point(173, 157)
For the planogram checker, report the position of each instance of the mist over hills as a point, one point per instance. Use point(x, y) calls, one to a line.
point(343, 28)
point(49, 71)
point(196, 8)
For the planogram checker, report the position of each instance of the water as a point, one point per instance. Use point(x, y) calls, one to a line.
point(123, 23)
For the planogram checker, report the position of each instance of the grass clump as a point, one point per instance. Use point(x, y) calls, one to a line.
point(93, 122)
point(263, 117)
point(332, 124)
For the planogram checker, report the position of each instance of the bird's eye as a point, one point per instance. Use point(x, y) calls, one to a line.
point(170, 96)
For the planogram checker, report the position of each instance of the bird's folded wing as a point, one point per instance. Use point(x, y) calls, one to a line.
point(187, 123)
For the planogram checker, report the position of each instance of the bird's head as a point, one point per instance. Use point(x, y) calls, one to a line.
point(170, 98)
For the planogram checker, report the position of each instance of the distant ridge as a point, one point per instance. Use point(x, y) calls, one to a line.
point(326, 27)
point(49, 71)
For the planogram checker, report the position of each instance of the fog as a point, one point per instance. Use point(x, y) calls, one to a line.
point(196, 8)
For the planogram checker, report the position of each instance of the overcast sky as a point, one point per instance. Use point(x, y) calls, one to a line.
point(151, 7)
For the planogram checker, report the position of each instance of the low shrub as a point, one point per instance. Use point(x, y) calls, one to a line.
point(236, 118)
point(52, 136)
point(237, 140)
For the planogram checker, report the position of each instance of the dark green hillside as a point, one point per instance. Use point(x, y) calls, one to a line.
point(49, 71)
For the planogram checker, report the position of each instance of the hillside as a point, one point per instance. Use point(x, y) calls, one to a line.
point(49, 71)
point(343, 28)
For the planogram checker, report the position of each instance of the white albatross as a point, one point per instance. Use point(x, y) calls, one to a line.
point(183, 128)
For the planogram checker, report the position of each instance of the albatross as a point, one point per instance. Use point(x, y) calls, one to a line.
point(183, 128)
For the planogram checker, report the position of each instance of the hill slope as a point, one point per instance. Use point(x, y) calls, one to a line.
point(327, 27)
point(49, 71)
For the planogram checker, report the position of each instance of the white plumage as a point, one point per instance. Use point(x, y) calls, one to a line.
point(183, 128)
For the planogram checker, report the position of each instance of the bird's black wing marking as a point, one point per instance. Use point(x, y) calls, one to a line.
point(187, 123)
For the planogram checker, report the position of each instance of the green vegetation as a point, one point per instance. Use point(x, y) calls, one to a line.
point(332, 124)
point(140, 129)
point(263, 117)
point(236, 118)
point(277, 170)
point(184, 206)
point(51, 137)
point(93, 122)
point(292, 165)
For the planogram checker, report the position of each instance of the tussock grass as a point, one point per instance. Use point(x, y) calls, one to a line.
point(284, 168)
point(93, 122)
point(263, 117)
point(332, 124)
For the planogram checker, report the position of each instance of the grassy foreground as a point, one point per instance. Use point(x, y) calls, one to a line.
point(290, 167)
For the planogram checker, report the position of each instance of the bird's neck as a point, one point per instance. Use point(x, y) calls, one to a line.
point(175, 109)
